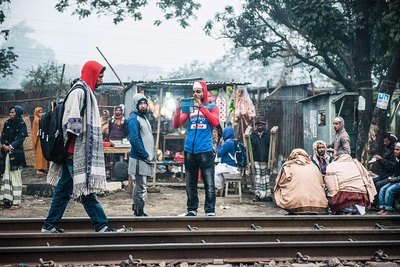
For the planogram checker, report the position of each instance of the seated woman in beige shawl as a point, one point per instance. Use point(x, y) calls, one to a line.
point(350, 188)
point(299, 188)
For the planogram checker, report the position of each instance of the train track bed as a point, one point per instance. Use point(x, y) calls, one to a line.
point(215, 241)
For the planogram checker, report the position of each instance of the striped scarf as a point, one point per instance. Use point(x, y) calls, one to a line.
point(89, 170)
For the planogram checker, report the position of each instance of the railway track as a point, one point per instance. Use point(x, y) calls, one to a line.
point(204, 239)
point(211, 223)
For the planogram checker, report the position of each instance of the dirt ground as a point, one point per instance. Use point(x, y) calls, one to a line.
point(170, 201)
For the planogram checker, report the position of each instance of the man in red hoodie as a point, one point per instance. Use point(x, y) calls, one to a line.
point(198, 148)
point(82, 175)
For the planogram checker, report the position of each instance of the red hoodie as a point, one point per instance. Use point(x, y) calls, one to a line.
point(90, 73)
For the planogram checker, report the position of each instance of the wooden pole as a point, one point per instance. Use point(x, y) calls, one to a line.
point(234, 107)
point(158, 136)
point(116, 75)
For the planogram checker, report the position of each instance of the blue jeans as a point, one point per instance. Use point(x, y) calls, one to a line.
point(386, 195)
point(62, 195)
point(204, 162)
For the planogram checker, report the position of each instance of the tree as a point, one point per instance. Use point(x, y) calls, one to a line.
point(45, 78)
point(32, 53)
point(7, 56)
point(350, 42)
point(181, 10)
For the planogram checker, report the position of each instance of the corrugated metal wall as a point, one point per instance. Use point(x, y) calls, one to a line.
point(284, 112)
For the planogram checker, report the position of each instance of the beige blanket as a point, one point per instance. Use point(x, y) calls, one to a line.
point(299, 186)
point(349, 175)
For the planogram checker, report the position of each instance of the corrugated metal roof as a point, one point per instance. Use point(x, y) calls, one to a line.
point(343, 95)
point(314, 96)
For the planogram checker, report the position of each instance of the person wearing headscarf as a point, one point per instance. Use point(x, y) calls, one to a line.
point(350, 187)
point(105, 117)
point(299, 188)
point(199, 155)
point(320, 158)
point(226, 152)
point(142, 152)
point(41, 164)
point(12, 149)
point(82, 175)
point(341, 144)
point(117, 127)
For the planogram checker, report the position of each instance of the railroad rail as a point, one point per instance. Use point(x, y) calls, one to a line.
point(212, 223)
point(194, 236)
point(206, 252)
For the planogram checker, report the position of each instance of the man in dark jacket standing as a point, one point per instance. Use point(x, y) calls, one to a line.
point(260, 145)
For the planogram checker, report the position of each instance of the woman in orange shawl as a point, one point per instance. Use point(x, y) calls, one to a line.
point(41, 164)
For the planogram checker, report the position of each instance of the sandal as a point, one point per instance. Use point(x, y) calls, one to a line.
point(14, 207)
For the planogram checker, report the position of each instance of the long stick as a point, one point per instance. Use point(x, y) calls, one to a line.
point(61, 80)
point(158, 136)
point(116, 75)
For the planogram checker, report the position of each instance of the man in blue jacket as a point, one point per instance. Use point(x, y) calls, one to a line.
point(142, 152)
point(199, 155)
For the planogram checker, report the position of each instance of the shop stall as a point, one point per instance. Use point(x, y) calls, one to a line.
point(229, 97)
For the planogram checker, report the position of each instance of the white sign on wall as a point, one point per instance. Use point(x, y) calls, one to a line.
point(382, 101)
point(361, 103)
point(313, 123)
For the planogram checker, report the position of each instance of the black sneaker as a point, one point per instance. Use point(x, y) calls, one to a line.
point(191, 213)
point(55, 229)
point(139, 213)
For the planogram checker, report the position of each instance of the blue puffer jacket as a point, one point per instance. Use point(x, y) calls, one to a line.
point(228, 147)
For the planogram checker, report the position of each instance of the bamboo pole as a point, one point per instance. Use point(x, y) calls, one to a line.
point(116, 75)
point(157, 137)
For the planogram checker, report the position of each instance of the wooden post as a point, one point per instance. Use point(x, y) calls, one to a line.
point(234, 103)
point(157, 137)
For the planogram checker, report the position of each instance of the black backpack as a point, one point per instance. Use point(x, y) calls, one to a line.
point(240, 154)
point(51, 132)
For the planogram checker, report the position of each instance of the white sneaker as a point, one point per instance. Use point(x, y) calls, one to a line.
point(55, 229)
point(210, 214)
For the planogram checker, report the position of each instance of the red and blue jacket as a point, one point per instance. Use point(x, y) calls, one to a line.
point(199, 126)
